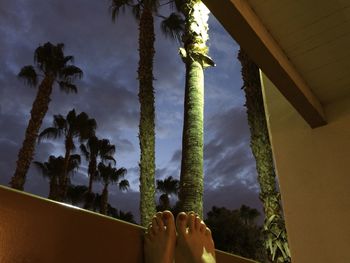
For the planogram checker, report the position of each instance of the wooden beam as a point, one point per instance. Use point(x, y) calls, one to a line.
point(246, 28)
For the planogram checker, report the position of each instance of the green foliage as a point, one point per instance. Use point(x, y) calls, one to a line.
point(275, 233)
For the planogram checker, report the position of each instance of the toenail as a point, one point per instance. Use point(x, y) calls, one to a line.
point(182, 216)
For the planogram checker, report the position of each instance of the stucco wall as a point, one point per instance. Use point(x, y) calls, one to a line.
point(313, 168)
point(36, 230)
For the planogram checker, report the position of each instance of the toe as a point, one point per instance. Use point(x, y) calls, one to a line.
point(154, 226)
point(197, 223)
point(159, 219)
point(191, 222)
point(169, 221)
point(207, 232)
point(181, 223)
point(202, 227)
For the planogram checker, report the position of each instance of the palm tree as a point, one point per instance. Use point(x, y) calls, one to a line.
point(93, 149)
point(73, 126)
point(167, 187)
point(110, 175)
point(76, 193)
point(248, 215)
point(54, 68)
point(143, 10)
point(52, 169)
point(194, 55)
point(276, 236)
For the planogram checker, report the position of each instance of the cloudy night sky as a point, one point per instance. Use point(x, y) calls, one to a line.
point(108, 55)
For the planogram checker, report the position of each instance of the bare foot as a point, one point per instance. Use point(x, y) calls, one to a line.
point(194, 241)
point(160, 238)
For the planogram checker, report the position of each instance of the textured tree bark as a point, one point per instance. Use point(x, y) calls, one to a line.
point(37, 114)
point(147, 116)
point(195, 58)
point(191, 179)
point(276, 237)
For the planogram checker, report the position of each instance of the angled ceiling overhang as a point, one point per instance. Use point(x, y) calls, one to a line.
point(246, 28)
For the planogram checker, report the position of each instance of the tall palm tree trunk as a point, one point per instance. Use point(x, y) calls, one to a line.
point(104, 200)
point(92, 170)
point(195, 58)
point(53, 193)
point(276, 237)
point(37, 114)
point(64, 180)
point(147, 116)
point(191, 179)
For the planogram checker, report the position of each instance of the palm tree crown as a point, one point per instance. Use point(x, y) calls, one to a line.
point(93, 149)
point(53, 66)
point(53, 168)
point(110, 175)
point(72, 126)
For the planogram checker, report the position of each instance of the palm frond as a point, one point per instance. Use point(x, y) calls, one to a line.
point(121, 172)
point(117, 6)
point(59, 122)
point(74, 162)
point(136, 10)
point(70, 72)
point(49, 133)
point(68, 59)
point(109, 158)
point(85, 151)
point(28, 74)
point(173, 26)
point(67, 87)
point(124, 185)
point(41, 167)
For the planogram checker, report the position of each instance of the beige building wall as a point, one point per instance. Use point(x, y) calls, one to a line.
point(313, 168)
point(37, 230)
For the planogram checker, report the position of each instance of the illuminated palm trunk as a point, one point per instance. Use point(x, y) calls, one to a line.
point(37, 114)
point(276, 237)
point(147, 123)
point(194, 55)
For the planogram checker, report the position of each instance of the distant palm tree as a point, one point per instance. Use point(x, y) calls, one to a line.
point(92, 150)
point(276, 242)
point(194, 55)
point(248, 215)
point(72, 126)
point(167, 187)
point(76, 194)
point(110, 175)
point(54, 67)
point(52, 169)
point(143, 10)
